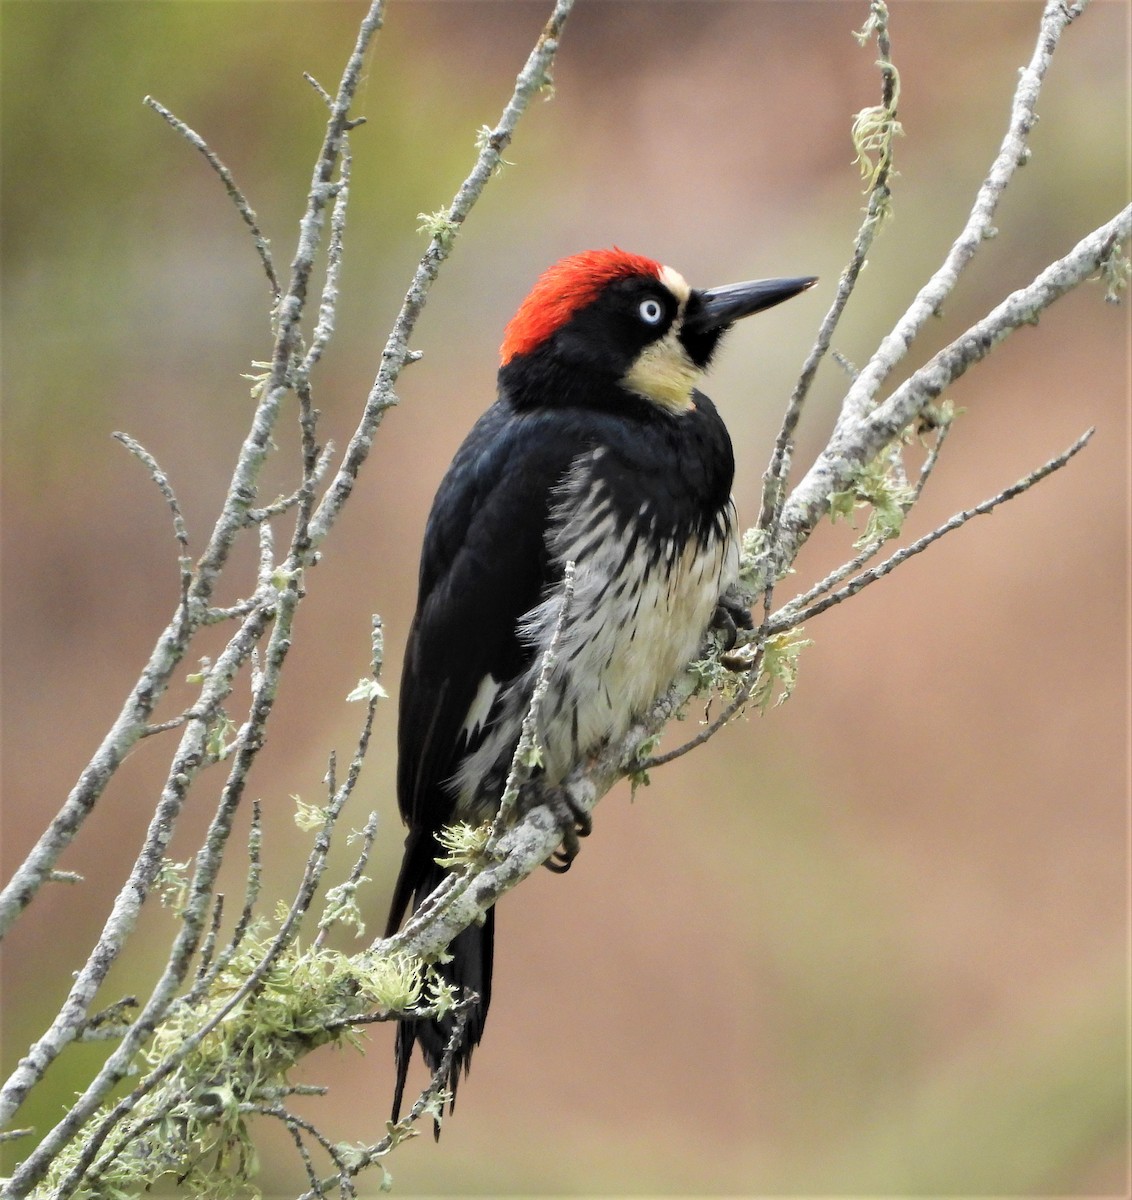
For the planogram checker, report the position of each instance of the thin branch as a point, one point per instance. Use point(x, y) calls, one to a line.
point(734, 706)
point(179, 529)
point(303, 1152)
point(210, 971)
point(873, 548)
point(173, 642)
point(190, 756)
point(879, 203)
point(522, 760)
point(531, 79)
point(354, 879)
point(208, 949)
point(1013, 152)
point(942, 430)
point(166, 726)
point(263, 247)
point(278, 507)
point(791, 616)
point(328, 304)
point(857, 443)
point(175, 970)
point(214, 616)
point(404, 1128)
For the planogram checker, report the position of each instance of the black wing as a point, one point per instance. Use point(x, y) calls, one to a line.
point(484, 565)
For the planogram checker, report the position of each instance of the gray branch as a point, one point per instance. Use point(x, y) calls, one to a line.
point(269, 612)
point(858, 439)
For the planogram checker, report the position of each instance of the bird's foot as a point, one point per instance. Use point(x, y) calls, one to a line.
point(730, 616)
point(574, 822)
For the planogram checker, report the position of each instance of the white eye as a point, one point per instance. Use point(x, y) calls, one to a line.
point(652, 311)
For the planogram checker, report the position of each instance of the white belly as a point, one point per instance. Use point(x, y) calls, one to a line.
point(627, 634)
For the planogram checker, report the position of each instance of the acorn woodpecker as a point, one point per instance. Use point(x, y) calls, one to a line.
point(601, 451)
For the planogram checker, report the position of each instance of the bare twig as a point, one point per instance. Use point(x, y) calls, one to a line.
point(523, 756)
point(166, 726)
point(179, 529)
point(285, 503)
point(792, 615)
point(396, 354)
point(404, 1128)
point(777, 472)
point(263, 247)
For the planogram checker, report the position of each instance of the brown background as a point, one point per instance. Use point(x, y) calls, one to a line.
point(874, 942)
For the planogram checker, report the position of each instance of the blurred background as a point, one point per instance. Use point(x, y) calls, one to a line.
point(873, 942)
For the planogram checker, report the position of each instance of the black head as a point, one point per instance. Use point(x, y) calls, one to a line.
point(620, 319)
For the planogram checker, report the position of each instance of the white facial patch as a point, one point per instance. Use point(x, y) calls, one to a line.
point(663, 372)
point(676, 284)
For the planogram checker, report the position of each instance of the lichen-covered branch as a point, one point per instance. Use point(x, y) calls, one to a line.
point(884, 127)
point(174, 641)
point(858, 440)
point(1012, 154)
point(223, 1024)
point(91, 1137)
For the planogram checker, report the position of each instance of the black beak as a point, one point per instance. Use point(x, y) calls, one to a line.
point(719, 307)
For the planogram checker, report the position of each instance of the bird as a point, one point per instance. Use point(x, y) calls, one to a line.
point(600, 451)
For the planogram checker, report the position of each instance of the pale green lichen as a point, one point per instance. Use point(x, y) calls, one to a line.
point(880, 488)
point(778, 671)
point(193, 1126)
point(439, 226)
point(341, 906)
point(483, 142)
point(367, 690)
point(220, 739)
point(875, 128)
point(639, 776)
point(172, 884)
point(259, 378)
point(873, 131)
point(1116, 270)
point(466, 844)
point(308, 817)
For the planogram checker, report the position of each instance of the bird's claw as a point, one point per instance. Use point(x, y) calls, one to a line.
point(729, 617)
point(574, 822)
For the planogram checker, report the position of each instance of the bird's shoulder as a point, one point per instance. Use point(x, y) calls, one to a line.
point(491, 507)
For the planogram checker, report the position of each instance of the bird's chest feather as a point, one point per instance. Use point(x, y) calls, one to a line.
point(649, 571)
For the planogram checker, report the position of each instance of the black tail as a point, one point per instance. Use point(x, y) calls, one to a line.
point(468, 970)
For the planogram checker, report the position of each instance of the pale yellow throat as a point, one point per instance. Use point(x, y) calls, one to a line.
point(664, 374)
